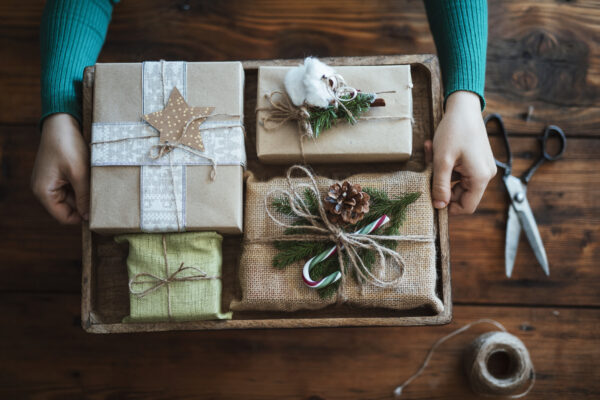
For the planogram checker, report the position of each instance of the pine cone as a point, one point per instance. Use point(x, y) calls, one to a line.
point(346, 203)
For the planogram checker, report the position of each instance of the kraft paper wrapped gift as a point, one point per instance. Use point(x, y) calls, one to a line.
point(374, 140)
point(133, 192)
point(188, 263)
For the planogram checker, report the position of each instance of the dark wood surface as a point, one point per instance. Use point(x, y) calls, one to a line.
point(543, 54)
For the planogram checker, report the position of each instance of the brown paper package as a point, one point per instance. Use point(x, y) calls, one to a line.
point(265, 287)
point(115, 190)
point(367, 141)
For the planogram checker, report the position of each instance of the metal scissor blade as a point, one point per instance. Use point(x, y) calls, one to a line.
point(513, 234)
point(533, 234)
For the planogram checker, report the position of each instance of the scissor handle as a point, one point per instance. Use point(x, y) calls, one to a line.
point(554, 131)
point(550, 132)
point(506, 166)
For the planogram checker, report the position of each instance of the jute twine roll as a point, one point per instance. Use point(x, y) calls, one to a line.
point(518, 372)
point(477, 356)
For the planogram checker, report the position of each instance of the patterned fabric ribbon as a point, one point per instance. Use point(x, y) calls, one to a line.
point(163, 167)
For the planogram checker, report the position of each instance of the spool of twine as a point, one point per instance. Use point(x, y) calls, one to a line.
point(506, 349)
point(482, 359)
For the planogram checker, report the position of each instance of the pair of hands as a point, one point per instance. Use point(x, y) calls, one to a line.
point(60, 178)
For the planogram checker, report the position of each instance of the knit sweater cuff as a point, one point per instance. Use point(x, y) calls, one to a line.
point(459, 28)
point(71, 36)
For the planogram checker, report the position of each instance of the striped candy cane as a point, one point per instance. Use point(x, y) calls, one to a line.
point(332, 278)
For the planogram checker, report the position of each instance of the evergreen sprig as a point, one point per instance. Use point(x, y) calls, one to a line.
point(290, 252)
point(322, 119)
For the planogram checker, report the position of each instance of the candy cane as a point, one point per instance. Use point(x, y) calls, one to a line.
point(332, 278)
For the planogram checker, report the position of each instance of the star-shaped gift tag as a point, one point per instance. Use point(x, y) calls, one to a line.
point(171, 121)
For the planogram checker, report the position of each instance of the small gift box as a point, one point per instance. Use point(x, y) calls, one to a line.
point(310, 242)
point(174, 277)
point(167, 147)
point(383, 134)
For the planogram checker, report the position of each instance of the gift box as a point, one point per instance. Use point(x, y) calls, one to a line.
point(267, 288)
point(174, 277)
point(147, 179)
point(385, 135)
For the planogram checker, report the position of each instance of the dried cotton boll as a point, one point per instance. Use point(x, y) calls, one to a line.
point(304, 83)
point(294, 86)
point(317, 93)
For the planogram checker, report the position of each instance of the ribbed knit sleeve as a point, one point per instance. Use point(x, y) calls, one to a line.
point(72, 33)
point(459, 28)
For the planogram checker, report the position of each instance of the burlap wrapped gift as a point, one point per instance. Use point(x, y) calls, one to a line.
point(385, 136)
point(133, 192)
point(266, 288)
point(174, 277)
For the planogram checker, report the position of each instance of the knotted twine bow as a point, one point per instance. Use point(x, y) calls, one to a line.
point(167, 280)
point(347, 244)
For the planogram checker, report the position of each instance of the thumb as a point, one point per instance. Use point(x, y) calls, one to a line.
point(81, 186)
point(441, 189)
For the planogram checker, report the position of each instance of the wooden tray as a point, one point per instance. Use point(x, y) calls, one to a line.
point(105, 299)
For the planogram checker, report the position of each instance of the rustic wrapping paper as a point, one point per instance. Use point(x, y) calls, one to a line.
point(266, 288)
point(115, 190)
point(190, 300)
point(368, 140)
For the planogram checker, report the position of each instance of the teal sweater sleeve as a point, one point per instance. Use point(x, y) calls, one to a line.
point(72, 33)
point(459, 28)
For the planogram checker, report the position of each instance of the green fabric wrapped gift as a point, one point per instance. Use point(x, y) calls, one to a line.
point(174, 277)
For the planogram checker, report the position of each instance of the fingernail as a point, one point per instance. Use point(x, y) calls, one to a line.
point(439, 204)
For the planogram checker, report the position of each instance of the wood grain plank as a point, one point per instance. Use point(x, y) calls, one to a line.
point(541, 53)
point(36, 252)
point(565, 199)
point(47, 355)
point(546, 55)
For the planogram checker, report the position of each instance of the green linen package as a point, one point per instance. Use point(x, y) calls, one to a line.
point(174, 277)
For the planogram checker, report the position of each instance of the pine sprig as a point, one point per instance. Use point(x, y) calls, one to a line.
point(291, 252)
point(381, 204)
point(322, 119)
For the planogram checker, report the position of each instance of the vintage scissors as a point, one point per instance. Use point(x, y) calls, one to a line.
point(520, 216)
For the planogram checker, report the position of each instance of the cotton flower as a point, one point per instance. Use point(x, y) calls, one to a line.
point(305, 84)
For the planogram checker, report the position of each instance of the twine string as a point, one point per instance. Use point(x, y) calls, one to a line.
point(479, 382)
point(159, 281)
point(347, 243)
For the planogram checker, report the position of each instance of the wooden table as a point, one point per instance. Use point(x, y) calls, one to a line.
point(543, 54)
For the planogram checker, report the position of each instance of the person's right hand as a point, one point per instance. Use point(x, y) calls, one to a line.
point(60, 178)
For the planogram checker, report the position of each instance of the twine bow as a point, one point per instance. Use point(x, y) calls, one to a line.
point(348, 244)
point(167, 147)
point(158, 281)
point(341, 92)
point(283, 110)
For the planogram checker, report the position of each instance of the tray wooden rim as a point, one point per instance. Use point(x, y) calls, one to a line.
point(91, 324)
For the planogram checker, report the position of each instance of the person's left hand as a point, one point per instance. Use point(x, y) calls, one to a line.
point(460, 144)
